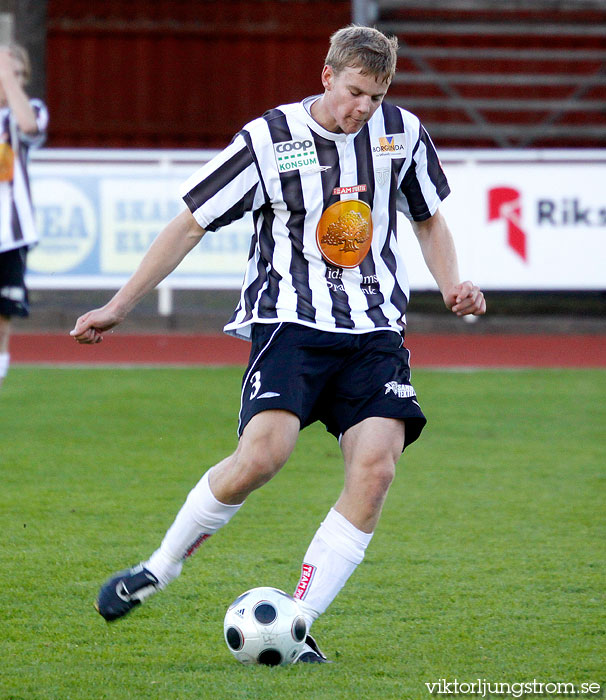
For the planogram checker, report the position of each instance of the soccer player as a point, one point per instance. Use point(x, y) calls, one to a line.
point(323, 302)
point(23, 124)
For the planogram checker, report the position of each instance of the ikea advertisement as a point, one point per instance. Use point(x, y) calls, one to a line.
point(521, 221)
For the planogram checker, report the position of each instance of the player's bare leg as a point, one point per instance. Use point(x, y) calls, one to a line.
point(371, 450)
point(265, 445)
point(5, 329)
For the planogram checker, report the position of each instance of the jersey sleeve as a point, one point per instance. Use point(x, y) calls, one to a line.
point(41, 114)
point(225, 188)
point(424, 184)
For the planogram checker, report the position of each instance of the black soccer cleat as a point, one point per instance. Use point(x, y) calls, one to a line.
point(122, 592)
point(311, 653)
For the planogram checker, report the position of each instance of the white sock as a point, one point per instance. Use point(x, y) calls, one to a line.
point(201, 516)
point(5, 360)
point(335, 551)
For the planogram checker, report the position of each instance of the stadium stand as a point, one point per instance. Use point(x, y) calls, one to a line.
point(479, 73)
point(500, 74)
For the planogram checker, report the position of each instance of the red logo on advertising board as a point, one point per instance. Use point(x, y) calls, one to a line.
point(505, 203)
point(307, 574)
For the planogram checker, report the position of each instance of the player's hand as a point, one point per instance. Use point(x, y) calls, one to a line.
point(90, 327)
point(466, 298)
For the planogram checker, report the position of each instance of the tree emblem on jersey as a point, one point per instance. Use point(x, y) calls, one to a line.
point(350, 230)
point(344, 232)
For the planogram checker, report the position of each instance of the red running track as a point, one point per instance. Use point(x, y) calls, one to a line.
point(426, 350)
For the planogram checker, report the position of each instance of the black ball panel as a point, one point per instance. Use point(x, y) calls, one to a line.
point(299, 629)
point(270, 657)
point(234, 638)
point(265, 613)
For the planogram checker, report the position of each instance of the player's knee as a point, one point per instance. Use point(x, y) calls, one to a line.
point(256, 464)
point(256, 470)
point(369, 489)
point(374, 480)
point(5, 328)
point(265, 446)
point(381, 475)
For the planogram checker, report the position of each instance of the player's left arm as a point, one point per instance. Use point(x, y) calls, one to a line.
point(439, 253)
point(16, 97)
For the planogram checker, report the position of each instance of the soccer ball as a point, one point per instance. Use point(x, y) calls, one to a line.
point(265, 626)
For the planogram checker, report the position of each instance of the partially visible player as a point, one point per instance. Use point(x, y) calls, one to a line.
point(323, 301)
point(23, 123)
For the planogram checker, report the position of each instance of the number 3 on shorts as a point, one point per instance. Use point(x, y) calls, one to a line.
point(255, 382)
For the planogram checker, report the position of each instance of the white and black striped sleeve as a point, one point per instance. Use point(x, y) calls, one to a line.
point(41, 114)
point(424, 183)
point(225, 188)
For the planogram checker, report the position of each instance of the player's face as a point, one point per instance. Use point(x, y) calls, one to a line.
point(350, 98)
point(19, 71)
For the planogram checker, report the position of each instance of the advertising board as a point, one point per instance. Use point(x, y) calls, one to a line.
point(521, 220)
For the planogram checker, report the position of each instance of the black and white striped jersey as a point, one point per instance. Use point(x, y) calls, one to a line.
point(288, 170)
point(17, 227)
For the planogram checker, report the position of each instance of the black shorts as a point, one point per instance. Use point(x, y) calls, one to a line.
point(337, 378)
point(13, 293)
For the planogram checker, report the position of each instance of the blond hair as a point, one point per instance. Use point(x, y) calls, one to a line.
point(365, 48)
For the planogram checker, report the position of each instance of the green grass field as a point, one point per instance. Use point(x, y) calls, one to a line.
point(489, 562)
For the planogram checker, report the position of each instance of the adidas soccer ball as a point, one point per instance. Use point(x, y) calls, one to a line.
point(265, 626)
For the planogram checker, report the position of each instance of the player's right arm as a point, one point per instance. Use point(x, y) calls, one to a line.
point(170, 247)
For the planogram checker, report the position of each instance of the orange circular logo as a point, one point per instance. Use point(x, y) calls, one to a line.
point(344, 233)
